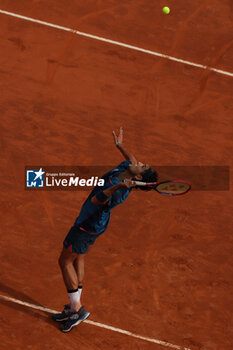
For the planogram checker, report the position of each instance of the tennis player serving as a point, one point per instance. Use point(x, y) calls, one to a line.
point(91, 223)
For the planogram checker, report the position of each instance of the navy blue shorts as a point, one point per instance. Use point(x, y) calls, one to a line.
point(78, 240)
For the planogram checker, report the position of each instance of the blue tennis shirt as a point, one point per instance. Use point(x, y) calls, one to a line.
point(95, 218)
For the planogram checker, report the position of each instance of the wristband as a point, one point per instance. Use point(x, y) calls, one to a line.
point(102, 197)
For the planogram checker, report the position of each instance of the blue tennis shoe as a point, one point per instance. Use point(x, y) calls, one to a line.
point(74, 319)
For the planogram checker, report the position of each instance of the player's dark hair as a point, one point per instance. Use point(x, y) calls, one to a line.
point(149, 175)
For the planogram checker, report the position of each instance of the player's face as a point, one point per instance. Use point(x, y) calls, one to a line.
point(138, 168)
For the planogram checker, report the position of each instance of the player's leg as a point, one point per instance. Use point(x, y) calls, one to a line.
point(77, 312)
point(79, 268)
point(75, 244)
point(66, 263)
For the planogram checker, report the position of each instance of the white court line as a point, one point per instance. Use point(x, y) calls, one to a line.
point(135, 48)
point(97, 324)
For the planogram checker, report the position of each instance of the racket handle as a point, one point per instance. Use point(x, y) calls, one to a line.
point(140, 183)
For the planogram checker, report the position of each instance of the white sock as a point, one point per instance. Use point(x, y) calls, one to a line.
point(74, 299)
point(80, 289)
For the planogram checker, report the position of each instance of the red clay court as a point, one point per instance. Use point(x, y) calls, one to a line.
point(169, 277)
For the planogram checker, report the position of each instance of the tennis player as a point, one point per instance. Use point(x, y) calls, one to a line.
point(91, 223)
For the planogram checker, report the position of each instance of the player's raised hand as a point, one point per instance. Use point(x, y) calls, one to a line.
point(118, 139)
point(128, 183)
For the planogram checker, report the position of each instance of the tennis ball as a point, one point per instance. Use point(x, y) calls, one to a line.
point(166, 10)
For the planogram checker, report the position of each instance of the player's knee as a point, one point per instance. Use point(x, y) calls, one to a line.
point(62, 261)
point(64, 264)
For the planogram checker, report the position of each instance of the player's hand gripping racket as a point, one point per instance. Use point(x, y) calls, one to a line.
point(168, 187)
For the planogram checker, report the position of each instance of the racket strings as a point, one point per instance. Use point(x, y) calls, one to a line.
point(173, 187)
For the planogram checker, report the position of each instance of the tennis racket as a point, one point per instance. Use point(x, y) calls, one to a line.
point(168, 187)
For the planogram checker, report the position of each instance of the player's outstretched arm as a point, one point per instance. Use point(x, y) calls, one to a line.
point(119, 144)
